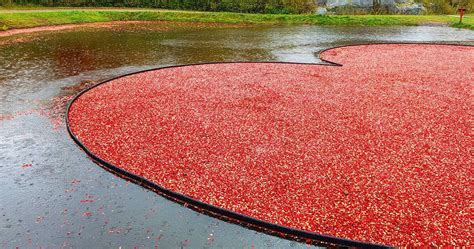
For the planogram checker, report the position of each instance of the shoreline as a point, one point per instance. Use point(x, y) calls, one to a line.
point(24, 21)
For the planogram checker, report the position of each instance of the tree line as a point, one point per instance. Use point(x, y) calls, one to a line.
point(246, 6)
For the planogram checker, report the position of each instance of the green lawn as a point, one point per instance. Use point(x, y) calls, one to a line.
point(10, 19)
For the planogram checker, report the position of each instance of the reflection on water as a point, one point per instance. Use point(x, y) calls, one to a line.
point(64, 199)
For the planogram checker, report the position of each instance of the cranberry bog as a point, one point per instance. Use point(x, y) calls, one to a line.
point(372, 148)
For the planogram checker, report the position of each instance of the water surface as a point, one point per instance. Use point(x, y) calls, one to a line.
point(53, 195)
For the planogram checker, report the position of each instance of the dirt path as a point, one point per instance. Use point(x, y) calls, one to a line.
point(66, 26)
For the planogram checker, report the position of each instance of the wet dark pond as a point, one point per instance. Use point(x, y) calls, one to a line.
point(53, 195)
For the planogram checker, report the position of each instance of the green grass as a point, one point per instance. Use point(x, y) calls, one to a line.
point(27, 19)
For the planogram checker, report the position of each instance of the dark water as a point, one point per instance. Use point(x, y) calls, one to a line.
point(52, 195)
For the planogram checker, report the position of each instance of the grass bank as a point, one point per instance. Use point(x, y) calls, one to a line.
point(47, 17)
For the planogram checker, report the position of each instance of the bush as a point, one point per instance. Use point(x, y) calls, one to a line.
point(447, 6)
point(438, 7)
